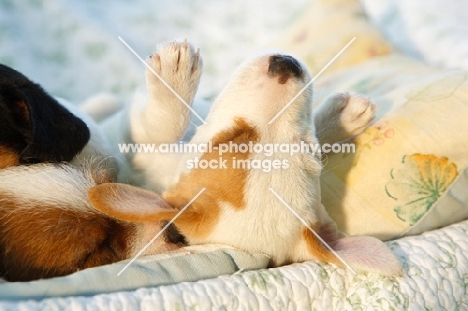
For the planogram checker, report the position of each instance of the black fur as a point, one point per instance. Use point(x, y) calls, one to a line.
point(34, 125)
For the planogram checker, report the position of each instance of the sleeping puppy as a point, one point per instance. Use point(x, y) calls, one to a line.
point(47, 225)
point(48, 228)
point(246, 207)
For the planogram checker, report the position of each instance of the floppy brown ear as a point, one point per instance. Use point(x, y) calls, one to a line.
point(129, 203)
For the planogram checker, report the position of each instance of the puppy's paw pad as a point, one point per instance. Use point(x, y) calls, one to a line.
point(356, 112)
point(176, 58)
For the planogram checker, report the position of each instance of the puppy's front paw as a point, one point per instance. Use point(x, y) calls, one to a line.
point(355, 112)
point(179, 67)
point(342, 116)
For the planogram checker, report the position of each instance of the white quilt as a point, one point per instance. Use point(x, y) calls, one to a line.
point(436, 274)
point(72, 48)
point(433, 30)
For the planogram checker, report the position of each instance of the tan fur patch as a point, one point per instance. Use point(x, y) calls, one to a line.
point(48, 241)
point(317, 249)
point(222, 184)
point(8, 157)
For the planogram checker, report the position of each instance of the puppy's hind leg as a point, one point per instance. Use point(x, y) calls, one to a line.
point(342, 116)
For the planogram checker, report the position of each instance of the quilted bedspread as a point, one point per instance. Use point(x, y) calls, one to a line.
point(435, 278)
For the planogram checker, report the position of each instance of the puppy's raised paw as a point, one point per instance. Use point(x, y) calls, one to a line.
point(356, 112)
point(178, 66)
point(342, 116)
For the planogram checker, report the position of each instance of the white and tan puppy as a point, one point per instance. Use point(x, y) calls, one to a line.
point(238, 206)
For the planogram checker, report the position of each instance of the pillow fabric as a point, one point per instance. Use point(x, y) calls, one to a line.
point(324, 28)
point(409, 170)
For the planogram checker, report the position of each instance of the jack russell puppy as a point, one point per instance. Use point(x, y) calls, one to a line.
point(51, 153)
point(60, 218)
point(248, 208)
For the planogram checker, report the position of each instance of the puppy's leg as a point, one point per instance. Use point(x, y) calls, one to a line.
point(165, 116)
point(342, 116)
point(160, 117)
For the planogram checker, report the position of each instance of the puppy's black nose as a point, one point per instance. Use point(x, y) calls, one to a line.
point(285, 67)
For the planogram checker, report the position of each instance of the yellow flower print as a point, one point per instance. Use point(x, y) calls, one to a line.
point(418, 183)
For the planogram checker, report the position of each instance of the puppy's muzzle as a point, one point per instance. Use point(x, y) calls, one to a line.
point(284, 67)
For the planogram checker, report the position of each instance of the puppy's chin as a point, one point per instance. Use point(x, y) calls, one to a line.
point(262, 86)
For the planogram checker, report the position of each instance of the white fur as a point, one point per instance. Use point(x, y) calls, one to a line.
point(66, 187)
point(159, 117)
point(343, 115)
point(101, 106)
point(51, 184)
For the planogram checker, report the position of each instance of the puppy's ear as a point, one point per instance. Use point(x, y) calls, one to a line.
point(369, 254)
point(18, 109)
point(56, 134)
point(15, 126)
point(129, 203)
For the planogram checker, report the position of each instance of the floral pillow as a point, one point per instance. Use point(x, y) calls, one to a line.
point(409, 171)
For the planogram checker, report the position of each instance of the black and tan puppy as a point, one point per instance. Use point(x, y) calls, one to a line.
point(47, 225)
point(34, 126)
